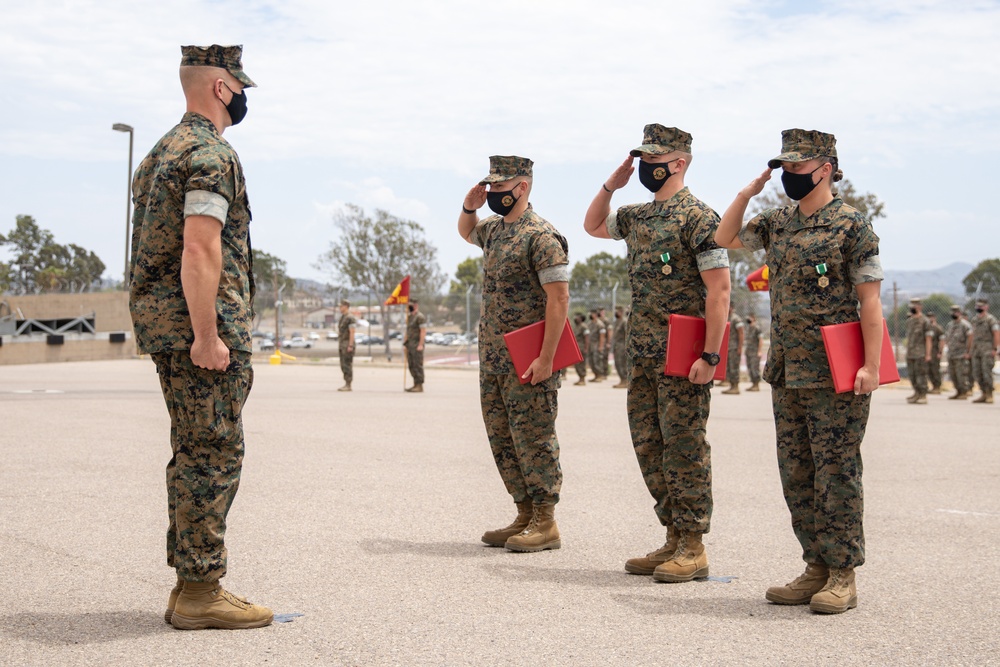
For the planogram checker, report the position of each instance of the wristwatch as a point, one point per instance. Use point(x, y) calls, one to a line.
point(711, 357)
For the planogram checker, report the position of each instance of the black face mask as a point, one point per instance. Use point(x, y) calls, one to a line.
point(748, 321)
point(798, 186)
point(654, 175)
point(411, 309)
point(980, 310)
point(913, 311)
point(502, 203)
point(954, 316)
point(237, 106)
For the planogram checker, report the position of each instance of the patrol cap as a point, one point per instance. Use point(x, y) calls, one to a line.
point(660, 140)
point(983, 301)
point(916, 301)
point(228, 58)
point(506, 167)
point(345, 302)
point(956, 307)
point(802, 145)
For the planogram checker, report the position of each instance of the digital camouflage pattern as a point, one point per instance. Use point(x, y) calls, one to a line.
point(598, 328)
point(983, 350)
point(506, 167)
point(226, 57)
point(520, 422)
point(581, 333)
point(192, 157)
point(957, 335)
point(752, 351)
point(934, 367)
point(734, 353)
point(206, 435)
point(684, 227)
point(918, 330)
point(803, 145)
point(344, 326)
point(415, 357)
point(667, 417)
point(660, 140)
point(619, 341)
point(836, 236)
point(513, 297)
point(819, 434)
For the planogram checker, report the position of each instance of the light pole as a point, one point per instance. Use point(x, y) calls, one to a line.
point(122, 127)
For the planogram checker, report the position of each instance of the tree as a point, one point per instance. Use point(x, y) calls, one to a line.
point(469, 273)
point(868, 204)
point(39, 264)
point(376, 253)
point(983, 280)
point(595, 277)
point(271, 276)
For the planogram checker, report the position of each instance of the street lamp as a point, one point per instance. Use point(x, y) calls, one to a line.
point(122, 127)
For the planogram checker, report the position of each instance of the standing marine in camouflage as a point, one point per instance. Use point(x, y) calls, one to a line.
point(606, 352)
point(752, 352)
point(918, 351)
point(619, 341)
point(674, 266)
point(416, 331)
point(737, 336)
point(937, 346)
point(598, 339)
point(985, 344)
point(345, 343)
point(581, 333)
point(191, 299)
point(823, 260)
point(958, 336)
point(525, 280)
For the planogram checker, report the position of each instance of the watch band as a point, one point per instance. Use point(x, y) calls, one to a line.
point(467, 211)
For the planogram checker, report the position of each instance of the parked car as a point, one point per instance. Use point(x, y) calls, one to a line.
point(295, 341)
point(331, 335)
point(313, 335)
point(266, 344)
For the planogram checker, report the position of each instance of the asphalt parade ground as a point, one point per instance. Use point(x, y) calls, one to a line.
point(359, 516)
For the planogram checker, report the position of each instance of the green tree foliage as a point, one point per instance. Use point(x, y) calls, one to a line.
point(937, 303)
point(375, 253)
point(468, 273)
point(601, 272)
point(39, 264)
point(271, 275)
point(984, 280)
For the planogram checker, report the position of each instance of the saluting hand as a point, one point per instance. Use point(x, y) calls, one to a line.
point(757, 185)
point(476, 198)
point(619, 177)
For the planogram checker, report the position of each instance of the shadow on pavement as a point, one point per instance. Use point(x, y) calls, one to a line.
point(57, 629)
point(387, 547)
point(713, 607)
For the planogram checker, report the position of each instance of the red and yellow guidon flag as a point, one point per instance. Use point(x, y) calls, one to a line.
point(401, 294)
point(757, 281)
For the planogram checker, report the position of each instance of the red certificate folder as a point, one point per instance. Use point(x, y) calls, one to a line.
point(686, 342)
point(845, 351)
point(525, 344)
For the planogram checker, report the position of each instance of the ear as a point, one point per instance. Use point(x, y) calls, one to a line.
point(681, 163)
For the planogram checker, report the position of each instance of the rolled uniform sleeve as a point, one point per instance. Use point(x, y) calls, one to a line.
point(211, 187)
point(619, 222)
point(864, 264)
point(708, 254)
point(554, 274)
point(753, 235)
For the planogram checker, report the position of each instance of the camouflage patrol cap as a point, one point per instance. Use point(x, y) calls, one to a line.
point(956, 307)
point(228, 58)
point(983, 301)
point(802, 145)
point(345, 302)
point(506, 167)
point(660, 140)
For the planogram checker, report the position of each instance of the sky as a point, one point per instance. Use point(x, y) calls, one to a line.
point(398, 105)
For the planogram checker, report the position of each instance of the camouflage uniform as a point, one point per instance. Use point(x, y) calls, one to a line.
point(191, 171)
point(518, 258)
point(597, 328)
point(983, 350)
point(620, 342)
point(734, 354)
point(606, 352)
point(934, 367)
point(918, 330)
point(668, 415)
point(581, 333)
point(415, 357)
point(957, 335)
point(819, 432)
point(752, 351)
point(346, 324)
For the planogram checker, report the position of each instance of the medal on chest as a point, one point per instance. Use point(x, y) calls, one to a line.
point(823, 280)
point(665, 258)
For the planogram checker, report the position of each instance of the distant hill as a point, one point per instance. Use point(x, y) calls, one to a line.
point(947, 280)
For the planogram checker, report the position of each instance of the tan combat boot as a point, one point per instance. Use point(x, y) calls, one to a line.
point(688, 562)
point(416, 389)
point(839, 594)
point(754, 387)
point(542, 532)
point(956, 397)
point(580, 382)
point(803, 588)
point(648, 563)
point(920, 400)
point(621, 385)
point(202, 605)
point(172, 599)
point(985, 398)
point(733, 389)
point(935, 391)
point(346, 387)
point(498, 537)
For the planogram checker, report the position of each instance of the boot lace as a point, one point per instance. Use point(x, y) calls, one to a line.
point(233, 599)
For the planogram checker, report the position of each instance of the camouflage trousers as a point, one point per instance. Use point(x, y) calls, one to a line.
point(819, 435)
point(982, 371)
point(621, 362)
point(206, 435)
point(581, 368)
point(667, 417)
point(960, 372)
point(347, 365)
point(415, 360)
point(753, 366)
point(521, 426)
point(733, 366)
point(605, 361)
point(916, 370)
point(595, 361)
point(934, 372)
